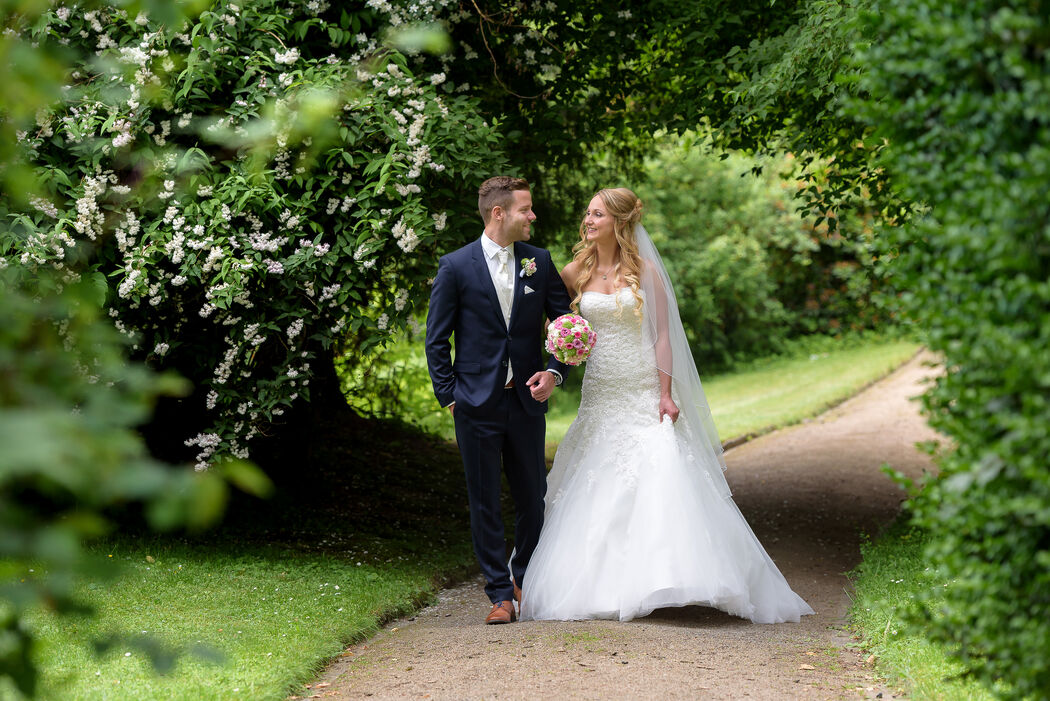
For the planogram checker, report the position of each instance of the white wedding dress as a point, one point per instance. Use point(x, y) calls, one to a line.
point(631, 523)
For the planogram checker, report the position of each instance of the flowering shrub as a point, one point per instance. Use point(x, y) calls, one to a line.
point(255, 183)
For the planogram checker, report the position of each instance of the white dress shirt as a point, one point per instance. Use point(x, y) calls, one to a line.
point(502, 280)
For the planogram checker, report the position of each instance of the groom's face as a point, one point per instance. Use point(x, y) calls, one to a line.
point(517, 220)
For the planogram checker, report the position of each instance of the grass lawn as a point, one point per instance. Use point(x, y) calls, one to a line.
point(781, 392)
point(369, 533)
point(270, 613)
point(772, 393)
point(890, 576)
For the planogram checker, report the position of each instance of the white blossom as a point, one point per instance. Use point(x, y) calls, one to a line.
point(129, 282)
point(208, 443)
point(329, 291)
point(45, 206)
point(133, 55)
point(287, 58)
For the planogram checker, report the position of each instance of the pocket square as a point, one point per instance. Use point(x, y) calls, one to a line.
point(529, 290)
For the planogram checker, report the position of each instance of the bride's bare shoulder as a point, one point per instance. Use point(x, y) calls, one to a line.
point(569, 274)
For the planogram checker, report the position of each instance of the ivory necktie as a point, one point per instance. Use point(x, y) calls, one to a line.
point(505, 289)
point(504, 284)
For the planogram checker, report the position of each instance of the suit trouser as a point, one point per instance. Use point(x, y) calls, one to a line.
point(503, 438)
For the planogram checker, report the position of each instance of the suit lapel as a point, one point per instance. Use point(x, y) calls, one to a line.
point(481, 269)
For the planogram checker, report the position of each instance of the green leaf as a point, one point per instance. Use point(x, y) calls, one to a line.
point(248, 478)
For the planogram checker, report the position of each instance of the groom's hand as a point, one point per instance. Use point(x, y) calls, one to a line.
point(541, 385)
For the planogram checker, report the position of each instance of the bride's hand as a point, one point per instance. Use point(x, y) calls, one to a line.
point(668, 408)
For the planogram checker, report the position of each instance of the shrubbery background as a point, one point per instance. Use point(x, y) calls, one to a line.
point(247, 191)
point(963, 99)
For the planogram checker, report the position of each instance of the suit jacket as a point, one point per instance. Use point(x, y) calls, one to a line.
point(463, 303)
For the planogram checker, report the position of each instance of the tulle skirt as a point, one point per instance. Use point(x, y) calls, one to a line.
point(632, 525)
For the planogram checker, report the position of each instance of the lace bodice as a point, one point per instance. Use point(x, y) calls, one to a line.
point(620, 376)
point(620, 400)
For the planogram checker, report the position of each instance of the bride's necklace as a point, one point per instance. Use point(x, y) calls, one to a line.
point(604, 275)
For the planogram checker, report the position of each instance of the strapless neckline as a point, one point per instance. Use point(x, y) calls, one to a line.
point(605, 294)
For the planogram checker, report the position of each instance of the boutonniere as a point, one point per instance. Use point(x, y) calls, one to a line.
point(528, 267)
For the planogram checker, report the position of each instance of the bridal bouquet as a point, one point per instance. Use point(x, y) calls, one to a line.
point(570, 339)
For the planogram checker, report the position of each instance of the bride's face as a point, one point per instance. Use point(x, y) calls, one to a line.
point(597, 222)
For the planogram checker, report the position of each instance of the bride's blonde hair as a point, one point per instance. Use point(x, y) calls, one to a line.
point(626, 210)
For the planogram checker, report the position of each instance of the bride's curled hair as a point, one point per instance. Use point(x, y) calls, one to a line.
point(626, 211)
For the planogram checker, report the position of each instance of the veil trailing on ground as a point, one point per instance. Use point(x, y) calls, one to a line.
point(663, 330)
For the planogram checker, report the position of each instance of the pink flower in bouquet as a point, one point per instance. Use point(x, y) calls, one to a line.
point(570, 339)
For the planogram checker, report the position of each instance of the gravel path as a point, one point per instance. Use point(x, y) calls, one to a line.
point(808, 491)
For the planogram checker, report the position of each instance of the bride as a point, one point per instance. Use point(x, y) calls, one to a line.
point(638, 513)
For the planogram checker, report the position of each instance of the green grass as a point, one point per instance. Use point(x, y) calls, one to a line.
point(368, 532)
point(891, 576)
point(785, 391)
point(273, 614)
point(768, 394)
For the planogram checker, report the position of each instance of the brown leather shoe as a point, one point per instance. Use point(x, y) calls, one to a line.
point(502, 612)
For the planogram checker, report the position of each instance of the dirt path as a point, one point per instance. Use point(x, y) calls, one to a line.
point(808, 492)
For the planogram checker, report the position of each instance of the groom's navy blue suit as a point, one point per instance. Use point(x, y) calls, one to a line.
point(497, 428)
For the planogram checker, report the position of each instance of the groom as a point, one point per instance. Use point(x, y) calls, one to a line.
point(494, 295)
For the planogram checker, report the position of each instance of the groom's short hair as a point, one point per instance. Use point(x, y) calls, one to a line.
point(498, 192)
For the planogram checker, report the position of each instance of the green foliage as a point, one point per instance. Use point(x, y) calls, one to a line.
point(392, 382)
point(891, 577)
point(751, 272)
point(69, 406)
point(769, 78)
point(251, 197)
point(960, 92)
